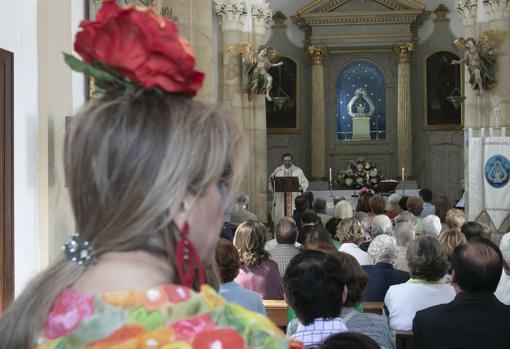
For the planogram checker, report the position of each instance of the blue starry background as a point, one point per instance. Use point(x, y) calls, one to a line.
point(367, 75)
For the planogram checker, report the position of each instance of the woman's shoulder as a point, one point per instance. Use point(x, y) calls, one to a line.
point(159, 316)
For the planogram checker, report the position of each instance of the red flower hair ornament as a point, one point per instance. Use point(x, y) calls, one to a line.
point(132, 47)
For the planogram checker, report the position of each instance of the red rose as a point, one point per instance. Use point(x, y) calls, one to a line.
point(142, 46)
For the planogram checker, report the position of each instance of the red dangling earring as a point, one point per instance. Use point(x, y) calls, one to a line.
point(187, 260)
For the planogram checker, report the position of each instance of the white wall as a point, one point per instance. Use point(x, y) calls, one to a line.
point(18, 34)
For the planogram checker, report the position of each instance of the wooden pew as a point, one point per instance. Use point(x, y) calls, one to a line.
point(373, 307)
point(277, 311)
point(405, 340)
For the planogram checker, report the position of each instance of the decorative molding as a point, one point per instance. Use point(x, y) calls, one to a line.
point(404, 51)
point(317, 54)
point(365, 18)
point(261, 14)
point(230, 13)
point(360, 36)
point(322, 7)
point(467, 10)
point(498, 9)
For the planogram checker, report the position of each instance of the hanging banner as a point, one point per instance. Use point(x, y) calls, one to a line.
point(489, 178)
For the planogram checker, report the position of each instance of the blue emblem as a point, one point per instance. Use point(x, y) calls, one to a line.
point(497, 171)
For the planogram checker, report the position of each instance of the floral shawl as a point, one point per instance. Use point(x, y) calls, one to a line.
point(169, 317)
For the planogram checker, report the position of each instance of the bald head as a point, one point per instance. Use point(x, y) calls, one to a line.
point(477, 265)
point(286, 231)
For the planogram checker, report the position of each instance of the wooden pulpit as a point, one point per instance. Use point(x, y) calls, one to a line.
point(287, 185)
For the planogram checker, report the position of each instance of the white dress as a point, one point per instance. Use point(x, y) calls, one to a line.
point(278, 203)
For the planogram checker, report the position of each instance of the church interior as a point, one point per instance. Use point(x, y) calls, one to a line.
point(415, 90)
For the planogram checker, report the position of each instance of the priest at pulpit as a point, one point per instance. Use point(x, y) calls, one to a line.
point(287, 169)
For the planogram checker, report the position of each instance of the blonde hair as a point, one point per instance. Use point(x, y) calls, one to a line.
point(343, 209)
point(249, 239)
point(350, 230)
point(455, 218)
point(450, 239)
point(129, 161)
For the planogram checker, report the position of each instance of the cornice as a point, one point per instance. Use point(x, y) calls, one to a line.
point(360, 18)
point(326, 6)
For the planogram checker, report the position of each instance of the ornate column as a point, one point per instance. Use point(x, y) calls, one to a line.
point(499, 12)
point(468, 13)
point(230, 14)
point(404, 129)
point(467, 10)
point(317, 54)
point(254, 116)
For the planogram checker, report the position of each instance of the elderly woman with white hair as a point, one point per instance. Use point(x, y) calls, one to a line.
point(432, 225)
point(382, 274)
point(343, 209)
point(393, 209)
point(403, 233)
point(503, 290)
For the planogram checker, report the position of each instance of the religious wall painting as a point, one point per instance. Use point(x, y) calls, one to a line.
point(443, 81)
point(284, 117)
point(361, 102)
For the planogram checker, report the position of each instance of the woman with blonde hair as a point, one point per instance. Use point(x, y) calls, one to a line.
point(148, 171)
point(351, 233)
point(258, 273)
point(450, 239)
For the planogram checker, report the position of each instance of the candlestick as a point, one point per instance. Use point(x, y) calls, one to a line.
point(403, 174)
point(330, 176)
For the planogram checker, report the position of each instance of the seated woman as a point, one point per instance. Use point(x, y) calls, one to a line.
point(393, 209)
point(258, 273)
point(403, 233)
point(450, 239)
point(373, 325)
point(315, 290)
point(227, 259)
point(147, 170)
point(382, 275)
point(317, 236)
point(428, 264)
point(351, 234)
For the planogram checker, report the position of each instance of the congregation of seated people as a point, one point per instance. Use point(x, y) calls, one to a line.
point(413, 257)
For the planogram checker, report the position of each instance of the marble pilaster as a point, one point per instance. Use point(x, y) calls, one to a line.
point(405, 144)
point(318, 141)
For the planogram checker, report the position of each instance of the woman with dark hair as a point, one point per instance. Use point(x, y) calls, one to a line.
point(428, 264)
point(315, 236)
point(228, 262)
point(148, 170)
point(363, 204)
point(258, 273)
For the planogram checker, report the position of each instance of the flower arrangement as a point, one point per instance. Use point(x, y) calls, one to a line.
point(359, 173)
point(132, 48)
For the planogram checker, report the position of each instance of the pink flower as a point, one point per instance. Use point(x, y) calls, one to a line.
point(67, 312)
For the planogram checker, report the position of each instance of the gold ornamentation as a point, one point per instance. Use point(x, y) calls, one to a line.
point(317, 54)
point(404, 51)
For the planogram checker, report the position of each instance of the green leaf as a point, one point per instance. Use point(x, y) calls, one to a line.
point(87, 69)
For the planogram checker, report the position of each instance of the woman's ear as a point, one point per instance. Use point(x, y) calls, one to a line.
point(183, 212)
point(344, 294)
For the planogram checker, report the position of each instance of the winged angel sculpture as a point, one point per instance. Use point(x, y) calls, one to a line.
point(256, 66)
point(480, 59)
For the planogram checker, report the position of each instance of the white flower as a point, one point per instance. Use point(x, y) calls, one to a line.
point(373, 180)
point(349, 182)
point(373, 172)
point(360, 181)
point(359, 167)
point(348, 172)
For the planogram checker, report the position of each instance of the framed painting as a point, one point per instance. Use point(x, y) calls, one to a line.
point(282, 113)
point(442, 80)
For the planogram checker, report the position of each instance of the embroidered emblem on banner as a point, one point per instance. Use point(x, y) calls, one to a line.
point(497, 171)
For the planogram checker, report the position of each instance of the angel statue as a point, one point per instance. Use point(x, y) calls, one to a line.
point(256, 66)
point(480, 59)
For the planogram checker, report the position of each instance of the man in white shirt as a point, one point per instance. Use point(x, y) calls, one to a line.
point(285, 170)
